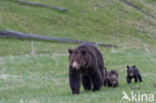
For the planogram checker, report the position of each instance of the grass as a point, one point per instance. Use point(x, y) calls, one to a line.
point(37, 72)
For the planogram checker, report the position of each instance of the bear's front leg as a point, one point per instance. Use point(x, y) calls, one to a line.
point(115, 85)
point(128, 80)
point(74, 80)
point(109, 84)
point(105, 82)
point(136, 79)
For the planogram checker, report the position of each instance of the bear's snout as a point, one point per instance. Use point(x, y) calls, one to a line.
point(75, 66)
point(131, 74)
point(114, 82)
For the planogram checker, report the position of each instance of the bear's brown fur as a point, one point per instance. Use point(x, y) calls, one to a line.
point(86, 64)
point(133, 72)
point(111, 78)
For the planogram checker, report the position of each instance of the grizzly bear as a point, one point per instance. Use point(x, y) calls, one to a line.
point(133, 72)
point(111, 79)
point(86, 65)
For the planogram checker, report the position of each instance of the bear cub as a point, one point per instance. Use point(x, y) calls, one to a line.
point(111, 79)
point(133, 72)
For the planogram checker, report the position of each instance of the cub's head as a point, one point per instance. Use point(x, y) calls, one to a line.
point(77, 59)
point(131, 71)
point(114, 77)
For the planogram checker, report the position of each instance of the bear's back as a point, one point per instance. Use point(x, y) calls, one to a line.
point(96, 54)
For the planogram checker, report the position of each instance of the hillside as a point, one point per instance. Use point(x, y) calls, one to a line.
point(34, 71)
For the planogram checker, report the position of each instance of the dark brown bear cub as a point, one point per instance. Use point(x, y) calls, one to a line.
point(133, 72)
point(86, 65)
point(111, 79)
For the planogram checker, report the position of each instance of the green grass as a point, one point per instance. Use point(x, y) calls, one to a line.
point(37, 71)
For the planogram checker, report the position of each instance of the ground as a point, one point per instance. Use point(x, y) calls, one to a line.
point(37, 72)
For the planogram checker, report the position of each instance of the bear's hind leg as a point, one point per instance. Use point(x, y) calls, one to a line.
point(86, 82)
point(139, 77)
point(96, 80)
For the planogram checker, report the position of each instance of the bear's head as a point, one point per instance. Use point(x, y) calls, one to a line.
point(114, 77)
point(77, 59)
point(131, 70)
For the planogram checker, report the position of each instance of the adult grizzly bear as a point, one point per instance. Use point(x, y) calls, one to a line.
point(86, 65)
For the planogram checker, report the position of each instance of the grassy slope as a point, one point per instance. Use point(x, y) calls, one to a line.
point(44, 76)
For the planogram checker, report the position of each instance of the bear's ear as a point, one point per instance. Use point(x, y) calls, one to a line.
point(70, 51)
point(83, 52)
point(134, 66)
point(127, 67)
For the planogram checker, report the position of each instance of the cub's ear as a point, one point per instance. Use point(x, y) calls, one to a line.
point(83, 52)
point(134, 66)
point(127, 67)
point(70, 51)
